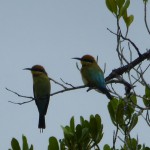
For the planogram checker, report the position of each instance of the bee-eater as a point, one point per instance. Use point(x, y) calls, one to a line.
point(92, 74)
point(41, 90)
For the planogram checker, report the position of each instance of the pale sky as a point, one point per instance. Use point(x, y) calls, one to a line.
point(50, 33)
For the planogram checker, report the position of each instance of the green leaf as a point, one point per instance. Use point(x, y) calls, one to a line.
point(130, 108)
point(79, 131)
point(120, 113)
point(98, 120)
point(85, 132)
point(84, 123)
point(112, 6)
point(93, 127)
point(62, 145)
point(132, 143)
point(67, 132)
point(72, 125)
point(133, 98)
point(31, 148)
point(128, 19)
point(123, 9)
point(146, 148)
point(147, 91)
point(112, 107)
point(100, 128)
point(120, 3)
point(147, 95)
point(145, 1)
point(25, 143)
point(53, 144)
point(106, 147)
point(133, 123)
point(81, 120)
point(15, 144)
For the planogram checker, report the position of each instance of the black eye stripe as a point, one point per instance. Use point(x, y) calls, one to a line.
point(38, 69)
point(87, 60)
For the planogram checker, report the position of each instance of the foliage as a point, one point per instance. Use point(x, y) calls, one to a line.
point(119, 9)
point(83, 136)
point(124, 110)
point(15, 144)
point(123, 114)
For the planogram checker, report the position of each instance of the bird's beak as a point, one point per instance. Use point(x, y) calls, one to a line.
point(76, 58)
point(27, 69)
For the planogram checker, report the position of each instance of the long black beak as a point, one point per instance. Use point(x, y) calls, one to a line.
point(76, 58)
point(27, 69)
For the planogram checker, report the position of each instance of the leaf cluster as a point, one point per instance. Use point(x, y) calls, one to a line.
point(83, 136)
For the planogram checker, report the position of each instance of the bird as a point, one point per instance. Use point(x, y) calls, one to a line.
point(41, 91)
point(92, 74)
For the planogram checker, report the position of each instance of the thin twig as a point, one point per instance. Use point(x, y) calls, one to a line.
point(130, 52)
point(32, 99)
point(77, 66)
point(58, 83)
point(128, 67)
point(147, 118)
point(66, 83)
point(115, 137)
point(145, 16)
point(19, 95)
point(68, 89)
point(132, 43)
point(127, 39)
point(104, 68)
point(21, 103)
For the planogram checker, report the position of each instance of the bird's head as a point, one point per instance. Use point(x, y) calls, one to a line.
point(86, 60)
point(37, 70)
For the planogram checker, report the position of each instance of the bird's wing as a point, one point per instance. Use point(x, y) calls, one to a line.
point(41, 102)
point(98, 79)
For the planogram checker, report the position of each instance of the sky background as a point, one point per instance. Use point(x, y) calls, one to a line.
point(50, 33)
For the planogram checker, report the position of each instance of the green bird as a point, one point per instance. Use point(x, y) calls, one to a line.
point(92, 74)
point(41, 90)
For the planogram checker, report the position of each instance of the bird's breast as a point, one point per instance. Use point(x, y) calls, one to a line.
point(41, 87)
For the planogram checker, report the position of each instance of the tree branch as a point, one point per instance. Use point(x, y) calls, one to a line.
point(32, 99)
point(128, 67)
point(127, 39)
point(145, 16)
point(68, 89)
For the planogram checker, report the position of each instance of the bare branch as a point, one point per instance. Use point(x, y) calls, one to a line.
point(19, 94)
point(104, 68)
point(147, 118)
point(132, 43)
point(32, 99)
point(68, 89)
point(127, 39)
point(21, 103)
point(77, 66)
point(128, 67)
point(115, 134)
point(58, 83)
point(97, 59)
point(66, 83)
point(145, 16)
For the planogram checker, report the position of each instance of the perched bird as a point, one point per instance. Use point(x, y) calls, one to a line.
point(92, 75)
point(41, 90)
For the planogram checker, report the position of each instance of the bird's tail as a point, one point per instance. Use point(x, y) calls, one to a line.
point(41, 122)
point(109, 95)
point(105, 91)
